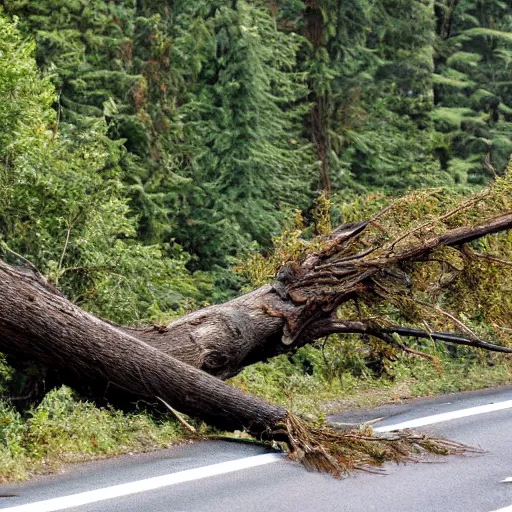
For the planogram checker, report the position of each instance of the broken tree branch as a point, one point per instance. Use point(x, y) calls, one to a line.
point(328, 326)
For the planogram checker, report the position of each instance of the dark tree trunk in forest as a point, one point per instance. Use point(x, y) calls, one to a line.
point(445, 14)
point(314, 33)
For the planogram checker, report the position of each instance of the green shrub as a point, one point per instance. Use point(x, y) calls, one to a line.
point(63, 429)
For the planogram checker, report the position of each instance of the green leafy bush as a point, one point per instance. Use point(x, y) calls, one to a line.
point(63, 429)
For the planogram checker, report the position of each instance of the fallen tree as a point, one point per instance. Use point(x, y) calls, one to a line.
point(184, 363)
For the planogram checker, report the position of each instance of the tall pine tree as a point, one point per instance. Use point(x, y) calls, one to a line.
point(241, 146)
point(473, 98)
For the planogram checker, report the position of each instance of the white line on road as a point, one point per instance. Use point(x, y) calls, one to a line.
point(509, 479)
point(447, 416)
point(506, 509)
point(148, 484)
point(116, 491)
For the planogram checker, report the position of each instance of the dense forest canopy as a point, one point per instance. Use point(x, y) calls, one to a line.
point(188, 133)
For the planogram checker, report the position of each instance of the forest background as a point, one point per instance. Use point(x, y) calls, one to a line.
point(153, 157)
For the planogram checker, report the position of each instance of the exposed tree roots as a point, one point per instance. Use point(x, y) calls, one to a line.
point(338, 453)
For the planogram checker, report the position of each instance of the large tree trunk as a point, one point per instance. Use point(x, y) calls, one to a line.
point(225, 338)
point(184, 362)
point(38, 324)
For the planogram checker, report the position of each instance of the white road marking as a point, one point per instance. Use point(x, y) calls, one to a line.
point(115, 491)
point(509, 479)
point(447, 416)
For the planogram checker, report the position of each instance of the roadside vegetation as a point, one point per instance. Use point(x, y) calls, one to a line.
point(64, 429)
point(314, 386)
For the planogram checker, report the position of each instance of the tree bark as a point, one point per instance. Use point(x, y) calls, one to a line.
point(225, 338)
point(36, 323)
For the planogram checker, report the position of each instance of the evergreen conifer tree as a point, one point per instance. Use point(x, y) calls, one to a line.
point(473, 99)
point(241, 146)
point(110, 60)
point(64, 209)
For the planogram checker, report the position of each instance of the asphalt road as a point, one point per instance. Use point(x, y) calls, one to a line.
point(472, 483)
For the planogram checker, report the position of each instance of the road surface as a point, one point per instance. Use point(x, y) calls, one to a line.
point(230, 477)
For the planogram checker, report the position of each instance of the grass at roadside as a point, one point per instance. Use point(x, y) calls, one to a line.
point(284, 381)
point(63, 429)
